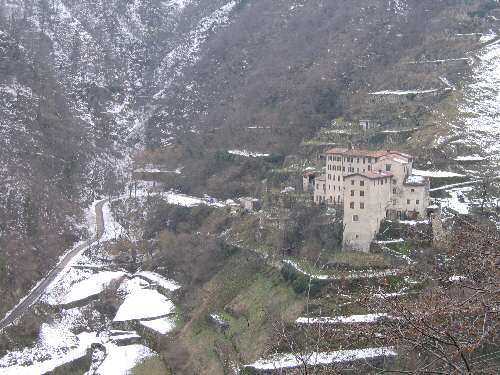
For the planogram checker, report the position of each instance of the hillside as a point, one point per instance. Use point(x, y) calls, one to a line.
point(210, 101)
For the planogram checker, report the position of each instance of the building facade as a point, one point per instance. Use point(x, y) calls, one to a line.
point(371, 186)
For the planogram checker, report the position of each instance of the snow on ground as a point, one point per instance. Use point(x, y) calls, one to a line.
point(178, 199)
point(151, 169)
point(55, 346)
point(469, 158)
point(91, 286)
point(280, 361)
point(178, 5)
point(436, 174)
point(121, 359)
point(142, 303)
point(247, 154)
point(384, 242)
point(351, 319)
point(403, 92)
point(161, 325)
point(352, 275)
point(112, 229)
point(159, 280)
point(479, 119)
point(390, 295)
point(119, 335)
point(414, 222)
point(413, 179)
point(458, 200)
point(187, 52)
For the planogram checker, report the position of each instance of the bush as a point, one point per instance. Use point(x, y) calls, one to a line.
point(289, 273)
point(300, 284)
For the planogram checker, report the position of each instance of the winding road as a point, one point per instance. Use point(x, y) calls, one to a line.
point(33, 296)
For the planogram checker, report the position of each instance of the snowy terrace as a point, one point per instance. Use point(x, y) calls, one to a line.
point(247, 154)
point(351, 319)
point(289, 360)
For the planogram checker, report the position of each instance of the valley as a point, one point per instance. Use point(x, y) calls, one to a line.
point(162, 163)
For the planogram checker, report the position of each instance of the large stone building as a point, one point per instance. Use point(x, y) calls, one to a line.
point(371, 186)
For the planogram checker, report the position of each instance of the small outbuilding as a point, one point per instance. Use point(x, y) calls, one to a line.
point(250, 204)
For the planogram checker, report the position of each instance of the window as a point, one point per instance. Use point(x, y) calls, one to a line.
point(393, 202)
point(412, 190)
point(364, 160)
point(394, 182)
point(361, 193)
point(388, 167)
point(362, 205)
point(417, 201)
point(369, 167)
point(352, 182)
point(343, 169)
point(351, 205)
point(355, 218)
point(339, 178)
point(352, 193)
point(357, 236)
point(394, 191)
point(407, 201)
point(361, 183)
point(357, 160)
point(381, 182)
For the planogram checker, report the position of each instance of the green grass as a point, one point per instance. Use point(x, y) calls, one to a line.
point(247, 294)
point(151, 366)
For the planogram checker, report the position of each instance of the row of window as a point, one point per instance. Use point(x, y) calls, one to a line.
point(361, 193)
point(361, 205)
point(408, 202)
point(361, 183)
point(351, 159)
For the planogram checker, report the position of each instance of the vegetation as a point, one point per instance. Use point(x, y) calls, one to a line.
point(151, 366)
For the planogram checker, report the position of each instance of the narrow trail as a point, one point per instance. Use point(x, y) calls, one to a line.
point(33, 296)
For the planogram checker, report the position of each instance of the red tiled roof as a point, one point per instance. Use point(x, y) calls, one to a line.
point(371, 175)
point(360, 152)
point(337, 151)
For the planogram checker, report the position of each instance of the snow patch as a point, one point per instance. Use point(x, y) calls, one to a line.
point(280, 361)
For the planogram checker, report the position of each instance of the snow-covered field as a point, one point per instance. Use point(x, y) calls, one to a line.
point(141, 302)
point(159, 280)
point(91, 286)
point(120, 359)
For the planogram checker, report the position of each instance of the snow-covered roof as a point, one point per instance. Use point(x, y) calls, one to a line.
point(415, 180)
